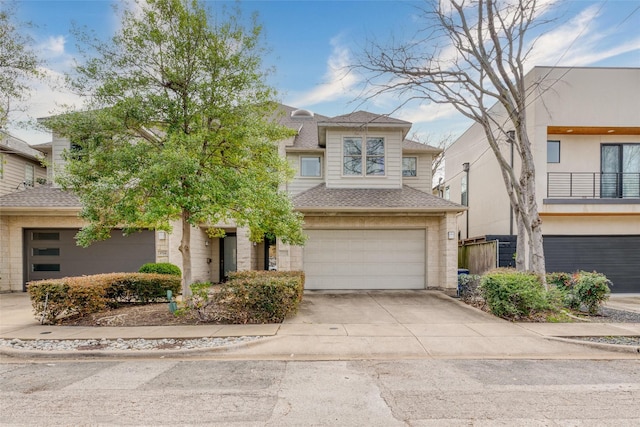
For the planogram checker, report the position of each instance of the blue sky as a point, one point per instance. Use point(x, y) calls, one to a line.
point(311, 41)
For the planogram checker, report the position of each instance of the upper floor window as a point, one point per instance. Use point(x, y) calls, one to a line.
point(553, 151)
point(29, 175)
point(620, 167)
point(409, 166)
point(464, 191)
point(363, 157)
point(310, 166)
point(447, 193)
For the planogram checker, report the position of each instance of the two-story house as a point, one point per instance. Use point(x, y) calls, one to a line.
point(364, 190)
point(584, 126)
point(20, 165)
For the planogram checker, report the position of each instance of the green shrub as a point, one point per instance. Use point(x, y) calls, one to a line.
point(514, 295)
point(581, 289)
point(259, 296)
point(563, 283)
point(79, 296)
point(142, 287)
point(591, 289)
point(161, 268)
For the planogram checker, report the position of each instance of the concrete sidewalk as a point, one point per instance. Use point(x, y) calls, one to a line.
point(355, 325)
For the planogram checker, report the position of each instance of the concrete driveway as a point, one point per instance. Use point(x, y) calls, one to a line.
point(355, 325)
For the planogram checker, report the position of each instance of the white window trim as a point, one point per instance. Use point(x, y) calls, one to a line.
point(319, 157)
point(363, 174)
point(402, 165)
point(32, 168)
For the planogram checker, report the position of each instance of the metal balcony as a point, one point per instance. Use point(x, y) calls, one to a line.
point(593, 185)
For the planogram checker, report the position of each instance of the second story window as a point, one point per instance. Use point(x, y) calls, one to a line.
point(409, 166)
point(29, 175)
point(464, 194)
point(310, 167)
point(356, 151)
point(553, 151)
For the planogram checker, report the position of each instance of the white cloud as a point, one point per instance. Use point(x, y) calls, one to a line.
point(47, 98)
point(578, 43)
point(54, 46)
point(338, 81)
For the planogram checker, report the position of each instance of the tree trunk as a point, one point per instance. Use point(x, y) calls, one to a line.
point(185, 249)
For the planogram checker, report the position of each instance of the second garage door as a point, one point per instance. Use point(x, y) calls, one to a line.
point(365, 259)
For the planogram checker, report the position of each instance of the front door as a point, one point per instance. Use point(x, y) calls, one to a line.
point(228, 258)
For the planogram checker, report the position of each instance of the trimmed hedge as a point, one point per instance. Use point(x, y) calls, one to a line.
point(511, 294)
point(80, 296)
point(160, 268)
point(260, 296)
point(249, 297)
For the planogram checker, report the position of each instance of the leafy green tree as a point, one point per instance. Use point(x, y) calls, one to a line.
point(180, 126)
point(18, 61)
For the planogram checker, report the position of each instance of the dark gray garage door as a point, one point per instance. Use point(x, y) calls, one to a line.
point(617, 257)
point(53, 253)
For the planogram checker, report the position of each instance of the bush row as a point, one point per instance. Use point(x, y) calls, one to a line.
point(249, 297)
point(83, 295)
point(514, 295)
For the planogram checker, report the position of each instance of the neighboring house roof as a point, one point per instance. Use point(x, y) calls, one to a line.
point(40, 197)
point(409, 146)
point(11, 144)
point(407, 199)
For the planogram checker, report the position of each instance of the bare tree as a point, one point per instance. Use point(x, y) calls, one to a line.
point(471, 54)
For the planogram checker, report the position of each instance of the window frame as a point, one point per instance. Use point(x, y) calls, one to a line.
point(302, 158)
point(559, 151)
point(464, 190)
point(364, 156)
point(415, 167)
point(29, 169)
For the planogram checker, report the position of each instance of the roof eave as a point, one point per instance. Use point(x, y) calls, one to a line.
point(41, 210)
point(381, 210)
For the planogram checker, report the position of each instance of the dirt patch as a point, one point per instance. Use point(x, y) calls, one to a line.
point(133, 315)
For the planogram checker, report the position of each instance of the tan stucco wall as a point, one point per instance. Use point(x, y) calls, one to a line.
point(592, 225)
point(602, 97)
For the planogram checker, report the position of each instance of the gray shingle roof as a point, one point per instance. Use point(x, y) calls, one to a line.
point(412, 146)
point(339, 199)
point(11, 144)
point(307, 128)
point(40, 197)
point(364, 117)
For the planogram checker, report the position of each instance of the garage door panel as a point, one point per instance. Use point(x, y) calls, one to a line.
point(365, 259)
point(117, 254)
point(617, 257)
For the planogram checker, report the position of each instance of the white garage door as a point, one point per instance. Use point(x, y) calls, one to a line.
point(365, 259)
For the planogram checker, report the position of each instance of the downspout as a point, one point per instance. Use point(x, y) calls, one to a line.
point(511, 138)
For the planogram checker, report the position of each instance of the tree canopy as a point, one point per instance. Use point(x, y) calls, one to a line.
point(18, 62)
point(179, 125)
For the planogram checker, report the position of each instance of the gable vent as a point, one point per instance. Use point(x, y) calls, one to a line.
point(301, 114)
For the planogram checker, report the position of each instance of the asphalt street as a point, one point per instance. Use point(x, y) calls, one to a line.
point(322, 393)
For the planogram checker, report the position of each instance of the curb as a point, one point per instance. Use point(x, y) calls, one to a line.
point(602, 346)
point(126, 354)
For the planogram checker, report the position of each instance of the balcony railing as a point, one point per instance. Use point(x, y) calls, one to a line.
point(592, 185)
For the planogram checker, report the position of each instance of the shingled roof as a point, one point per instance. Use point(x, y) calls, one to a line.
point(40, 197)
point(11, 144)
point(407, 199)
point(364, 117)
